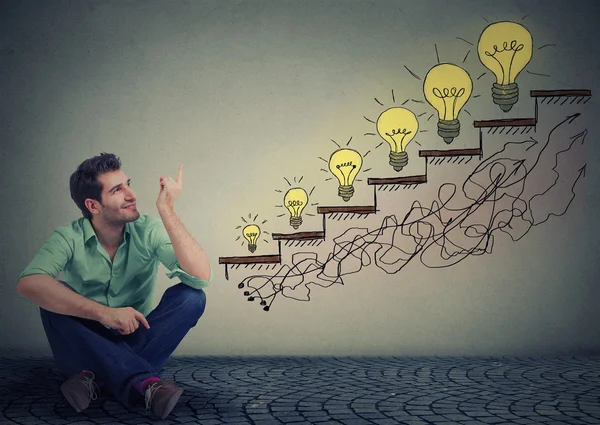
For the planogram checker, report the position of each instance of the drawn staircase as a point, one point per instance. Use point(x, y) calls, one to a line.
point(508, 127)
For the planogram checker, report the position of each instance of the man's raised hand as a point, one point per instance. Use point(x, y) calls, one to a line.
point(169, 190)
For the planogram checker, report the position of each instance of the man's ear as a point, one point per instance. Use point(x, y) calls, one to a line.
point(92, 205)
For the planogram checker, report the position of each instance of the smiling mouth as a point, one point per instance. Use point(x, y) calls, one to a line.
point(131, 207)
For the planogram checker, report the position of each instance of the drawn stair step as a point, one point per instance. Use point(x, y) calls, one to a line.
point(251, 259)
point(368, 209)
point(510, 122)
point(451, 152)
point(407, 180)
point(299, 236)
point(246, 261)
point(561, 97)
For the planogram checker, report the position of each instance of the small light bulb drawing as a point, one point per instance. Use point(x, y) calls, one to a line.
point(397, 126)
point(345, 164)
point(447, 87)
point(295, 200)
point(251, 232)
point(505, 48)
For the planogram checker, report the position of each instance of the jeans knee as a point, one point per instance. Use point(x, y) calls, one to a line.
point(45, 315)
point(190, 300)
point(51, 321)
point(48, 315)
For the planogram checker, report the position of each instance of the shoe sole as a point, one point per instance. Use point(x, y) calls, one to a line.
point(171, 404)
point(78, 407)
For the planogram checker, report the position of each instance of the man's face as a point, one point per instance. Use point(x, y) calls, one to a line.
point(118, 198)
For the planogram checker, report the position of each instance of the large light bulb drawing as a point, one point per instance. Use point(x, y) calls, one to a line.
point(505, 48)
point(295, 200)
point(251, 232)
point(345, 164)
point(447, 87)
point(397, 126)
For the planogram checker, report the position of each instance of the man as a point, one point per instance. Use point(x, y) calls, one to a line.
point(109, 258)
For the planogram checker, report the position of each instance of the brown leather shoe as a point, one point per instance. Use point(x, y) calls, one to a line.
point(161, 396)
point(79, 389)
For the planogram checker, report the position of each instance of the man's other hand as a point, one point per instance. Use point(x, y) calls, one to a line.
point(125, 319)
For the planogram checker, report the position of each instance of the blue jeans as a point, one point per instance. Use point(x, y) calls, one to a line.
point(119, 360)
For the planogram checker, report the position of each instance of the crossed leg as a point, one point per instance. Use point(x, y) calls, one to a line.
point(119, 360)
point(179, 310)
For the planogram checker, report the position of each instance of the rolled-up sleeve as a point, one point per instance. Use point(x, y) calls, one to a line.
point(52, 257)
point(163, 249)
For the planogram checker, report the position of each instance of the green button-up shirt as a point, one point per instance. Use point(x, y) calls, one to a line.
point(127, 281)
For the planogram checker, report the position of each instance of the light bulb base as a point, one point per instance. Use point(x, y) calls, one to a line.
point(398, 160)
point(346, 192)
point(251, 247)
point(448, 129)
point(295, 222)
point(505, 95)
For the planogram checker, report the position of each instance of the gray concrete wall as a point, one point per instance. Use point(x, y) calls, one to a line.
point(247, 94)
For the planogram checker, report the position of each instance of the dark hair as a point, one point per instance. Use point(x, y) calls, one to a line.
point(84, 181)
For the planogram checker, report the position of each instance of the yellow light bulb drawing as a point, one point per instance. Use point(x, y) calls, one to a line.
point(505, 48)
point(251, 232)
point(397, 126)
point(295, 200)
point(447, 87)
point(345, 164)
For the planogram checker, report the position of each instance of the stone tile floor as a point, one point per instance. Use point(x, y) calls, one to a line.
point(336, 390)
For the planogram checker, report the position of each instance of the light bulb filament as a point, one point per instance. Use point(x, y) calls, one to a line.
point(345, 172)
point(395, 132)
point(514, 47)
point(449, 104)
point(446, 92)
point(296, 206)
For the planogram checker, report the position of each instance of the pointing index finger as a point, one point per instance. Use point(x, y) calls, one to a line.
point(180, 172)
point(142, 319)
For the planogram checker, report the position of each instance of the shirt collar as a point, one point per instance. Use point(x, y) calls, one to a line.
point(89, 232)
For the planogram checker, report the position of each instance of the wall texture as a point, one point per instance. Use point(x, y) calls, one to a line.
point(248, 95)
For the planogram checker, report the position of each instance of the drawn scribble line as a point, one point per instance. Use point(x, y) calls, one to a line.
point(501, 196)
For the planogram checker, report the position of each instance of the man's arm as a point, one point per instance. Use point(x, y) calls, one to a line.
point(190, 256)
point(38, 281)
point(38, 284)
point(51, 295)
